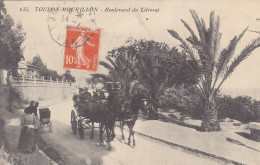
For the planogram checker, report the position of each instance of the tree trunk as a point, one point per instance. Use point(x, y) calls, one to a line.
point(9, 98)
point(155, 115)
point(127, 90)
point(210, 117)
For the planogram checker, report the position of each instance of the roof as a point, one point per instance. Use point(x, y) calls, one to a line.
point(32, 66)
point(21, 65)
point(25, 65)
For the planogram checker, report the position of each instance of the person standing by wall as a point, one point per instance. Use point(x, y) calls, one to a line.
point(30, 109)
point(35, 109)
point(27, 141)
point(35, 112)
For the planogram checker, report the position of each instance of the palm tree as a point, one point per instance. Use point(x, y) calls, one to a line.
point(118, 72)
point(215, 66)
point(155, 66)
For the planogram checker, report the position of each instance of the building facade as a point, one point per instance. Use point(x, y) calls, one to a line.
point(23, 70)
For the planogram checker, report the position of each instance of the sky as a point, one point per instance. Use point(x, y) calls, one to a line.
point(116, 27)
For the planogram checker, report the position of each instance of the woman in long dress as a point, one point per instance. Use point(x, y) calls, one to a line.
point(79, 44)
point(27, 141)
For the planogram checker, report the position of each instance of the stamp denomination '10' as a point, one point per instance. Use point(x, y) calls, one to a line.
point(82, 48)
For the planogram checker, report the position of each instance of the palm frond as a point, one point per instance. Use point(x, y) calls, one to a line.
point(101, 76)
point(217, 43)
point(243, 55)
point(214, 35)
point(204, 37)
point(226, 55)
point(209, 37)
point(112, 62)
point(247, 51)
point(193, 40)
point(184, 44)
point(212, 21)
point(115, 76)
point(198, 23)
point(106, 65)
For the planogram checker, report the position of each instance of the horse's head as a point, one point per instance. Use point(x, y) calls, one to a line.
point(126, 106)
point(120, 104)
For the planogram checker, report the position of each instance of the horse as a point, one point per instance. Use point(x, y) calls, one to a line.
point(126, 113)
point(100, 113)
point(96, 113)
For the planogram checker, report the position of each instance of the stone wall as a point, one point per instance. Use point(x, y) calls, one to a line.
point(40, 93)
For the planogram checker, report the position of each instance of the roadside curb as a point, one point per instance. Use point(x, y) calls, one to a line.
point(48, 158)
point(192, 150)
point(49, 152)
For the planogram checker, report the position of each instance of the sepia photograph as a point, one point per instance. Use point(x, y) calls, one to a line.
point(127, 82)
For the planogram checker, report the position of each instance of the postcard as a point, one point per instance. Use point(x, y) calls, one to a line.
point(130, 82)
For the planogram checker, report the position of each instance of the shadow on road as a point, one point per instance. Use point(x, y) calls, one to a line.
point(166, 119)
point(246, 135)
point(88, 151)
point(239, 143)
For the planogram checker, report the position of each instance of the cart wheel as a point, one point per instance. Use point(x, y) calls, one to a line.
point(81, 129)
point(50, 127)
point(73, 122)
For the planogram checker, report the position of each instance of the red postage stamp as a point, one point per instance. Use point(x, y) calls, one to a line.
point(82, 48)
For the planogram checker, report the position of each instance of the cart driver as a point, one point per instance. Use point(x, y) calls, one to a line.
point(95, 97)
point(85, 96)
point(102, 95)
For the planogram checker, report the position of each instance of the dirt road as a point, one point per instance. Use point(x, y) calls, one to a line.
point(146, 152)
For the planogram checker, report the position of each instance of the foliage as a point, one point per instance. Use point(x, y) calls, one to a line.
point(149, 66)
point(37, 61)
point(242, 108)
point(15, 99)
point(117, 70)
point(183, 100)
point(49, 73)
point(12, 37)
point(68, 77)
point(11, 51)
point(54, 75)
point(94, 81)
point(6, 156)
point(214, 66)
point(158, 66)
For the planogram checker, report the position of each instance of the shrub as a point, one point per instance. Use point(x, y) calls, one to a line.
point(6, 157)
point(242, 108)
point(14, 99)
point(182, 99)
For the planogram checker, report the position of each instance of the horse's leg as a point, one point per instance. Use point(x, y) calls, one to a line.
point(113, 135)
point(92, 131)
point(122, 129)
point(100, 133)
point(130, 125)
point(133, 137)
point(108, 137)
point(133, 134)
point(130, 132)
